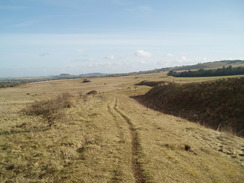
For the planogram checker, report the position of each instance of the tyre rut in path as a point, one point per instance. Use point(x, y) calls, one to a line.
point(135, 148)
point(120, 130)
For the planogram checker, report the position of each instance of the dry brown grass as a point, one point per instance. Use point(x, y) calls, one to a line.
point(93, 143)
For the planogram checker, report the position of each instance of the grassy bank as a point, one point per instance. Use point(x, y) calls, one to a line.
point(217, 104)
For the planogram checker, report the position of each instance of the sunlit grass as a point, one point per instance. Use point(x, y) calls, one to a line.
point(201, 79)
point(92, 143)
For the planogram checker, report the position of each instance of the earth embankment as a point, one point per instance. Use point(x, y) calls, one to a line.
point(217, 104)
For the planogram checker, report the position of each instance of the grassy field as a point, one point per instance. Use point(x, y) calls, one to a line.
point(201, 79)
point(108, 137)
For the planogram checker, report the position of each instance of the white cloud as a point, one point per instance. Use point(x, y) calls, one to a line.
point(71, 66)
point(110, 57)
point(142, 53)
point(231, 58)
point(204, 59)
point(183, 58)
point(169, 55)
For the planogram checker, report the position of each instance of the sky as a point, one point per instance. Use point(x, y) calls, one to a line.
point(50, 37)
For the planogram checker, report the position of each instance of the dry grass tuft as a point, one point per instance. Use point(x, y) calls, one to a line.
point(50, 110)
point(92, 92)
point(153, 83)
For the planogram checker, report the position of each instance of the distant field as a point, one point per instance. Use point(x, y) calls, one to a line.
point(107, 137)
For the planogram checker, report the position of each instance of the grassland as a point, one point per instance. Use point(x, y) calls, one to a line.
point(108, 137)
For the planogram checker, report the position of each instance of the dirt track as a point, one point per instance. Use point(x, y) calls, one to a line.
point(135, 145)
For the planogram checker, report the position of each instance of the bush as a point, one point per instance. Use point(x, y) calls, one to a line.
point(86, 81)
point(50, 110)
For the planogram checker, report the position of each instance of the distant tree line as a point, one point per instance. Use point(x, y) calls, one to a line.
point(225, 71)
point(9, 84)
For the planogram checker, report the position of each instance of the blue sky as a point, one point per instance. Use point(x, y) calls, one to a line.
point(49, 37)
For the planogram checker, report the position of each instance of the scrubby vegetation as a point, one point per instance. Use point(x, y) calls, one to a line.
point(92, 92)
point(218, 104)
point(50, 110)
point(86, 81)
point(10, 84)
point(225, 71)
point(152, 83)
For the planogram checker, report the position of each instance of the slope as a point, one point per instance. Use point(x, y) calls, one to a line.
point(218, 104)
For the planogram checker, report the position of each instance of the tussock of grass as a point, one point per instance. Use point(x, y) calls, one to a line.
point(218, 104)
point(50, 110)
point(92, 92)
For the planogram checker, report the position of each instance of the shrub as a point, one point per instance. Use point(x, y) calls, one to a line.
point(50, 110)
point(86, 81)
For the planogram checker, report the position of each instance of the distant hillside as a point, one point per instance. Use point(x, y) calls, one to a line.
point(12, 82)
point(211, 65)
point(218, 104)
point(225, 71)
point(208, 65)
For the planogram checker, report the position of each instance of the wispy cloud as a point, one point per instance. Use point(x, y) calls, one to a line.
point(142, 53)
point(169, 55)
point(182, 59)
point(8, 7)
point(110, 57)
